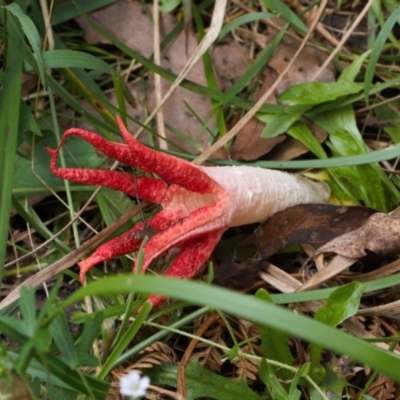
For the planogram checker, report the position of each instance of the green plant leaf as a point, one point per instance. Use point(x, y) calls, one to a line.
point(244, 19)
point(319, 92)
point(27, 305)
point(303, 371)
point(69, 10)
point(275, 343)
point(349, 74)
point(167, 6)
point(31, 33)
point(254, 68)
point(125, 340)
point(201, 383)
point(249, 308)
point(74, 59)
point(58, 393)
point(62, 337)
point(286, 13)
point(377, 50)
point(343, 303)
point(301, 132)
point(9, 117)
point(269, 377)
point(277, 124)
point(31, 177)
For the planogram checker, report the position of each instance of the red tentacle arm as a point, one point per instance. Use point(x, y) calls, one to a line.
point(128, 242)
point(171, 169)
point(192, 257)
point(199, 203)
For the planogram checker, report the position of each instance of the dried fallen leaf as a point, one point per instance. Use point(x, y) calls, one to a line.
point(128, 21)
point(313, 224)
point(379, 235)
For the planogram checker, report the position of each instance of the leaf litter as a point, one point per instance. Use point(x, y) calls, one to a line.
point(313, 225)
point(187, 113)
point(350, 232)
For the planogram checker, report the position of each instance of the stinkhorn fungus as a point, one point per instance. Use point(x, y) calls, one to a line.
point(198, 203)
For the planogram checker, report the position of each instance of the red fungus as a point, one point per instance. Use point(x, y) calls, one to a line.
point(198, 203)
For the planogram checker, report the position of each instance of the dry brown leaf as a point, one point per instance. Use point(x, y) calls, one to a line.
point(210, 357)
point(156, 354)
point(314, 224)
point(335, 267)
point(176, 110)
point(249, 145)
point(379, 235)
point(278, 278)
point(230, 61)
point(382, 388)
point(128, 21)
point(246, 367)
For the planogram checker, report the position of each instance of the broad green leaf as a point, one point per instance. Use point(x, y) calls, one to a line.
point(319, 92)
point(58, 393)
point(201, 383)
point(369, 182)
point(338, 121)
point(343, 303)
point(249, 308)
point(90, 332)
point(95, 388)
point(29, 176)
point(63, 339)
point(300, 131)
point(275, 343)
point(277, 124)
point(274, 388)
point(349, 74)
point(340, 305)
point(27, 305)
point(62, 376)
point(27, 122)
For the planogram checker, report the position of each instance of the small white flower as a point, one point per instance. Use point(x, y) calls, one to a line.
point(133, 385)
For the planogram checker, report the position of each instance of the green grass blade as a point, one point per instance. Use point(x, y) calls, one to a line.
point(359, 159)
point(254, 68)
point(251, 309)
point(9, 117)
point(377, 50)
point(286, 13)
point(31, 33)
point(244, 19)
point(68, 10)
point(74, 59)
